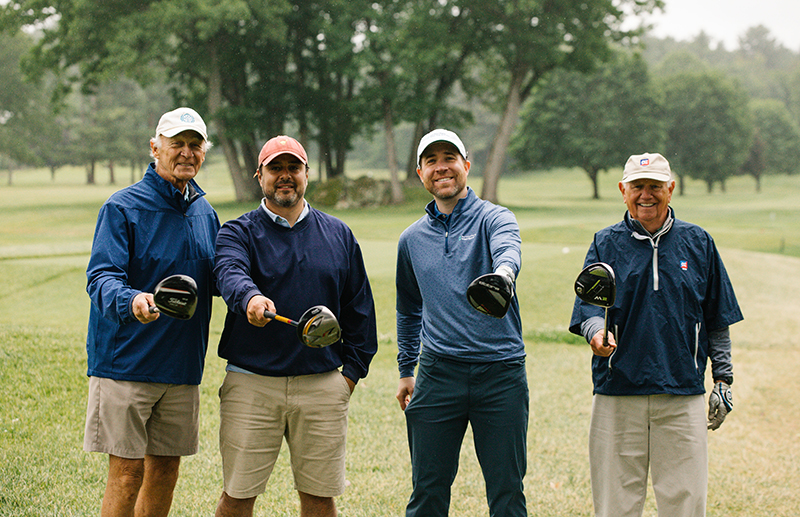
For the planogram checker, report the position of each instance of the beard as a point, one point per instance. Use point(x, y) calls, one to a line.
point(285, 200)
point(448, 192)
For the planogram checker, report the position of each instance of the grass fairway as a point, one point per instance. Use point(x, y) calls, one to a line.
point(45, 238)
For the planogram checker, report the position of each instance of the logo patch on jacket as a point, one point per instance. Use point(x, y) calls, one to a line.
point(684, 265)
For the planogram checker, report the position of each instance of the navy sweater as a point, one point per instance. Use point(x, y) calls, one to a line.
point(316, 262)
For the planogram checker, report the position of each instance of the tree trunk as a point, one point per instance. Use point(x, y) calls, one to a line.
point(341, 156)
point(111, 179)
point(90, 173)
point(411, 167)
point(245, 188)
point(497, 153)
point(593, 173)
point(391, 152)
point(323, 172)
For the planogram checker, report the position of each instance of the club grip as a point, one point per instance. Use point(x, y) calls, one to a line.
point(273, 316)
point(154, 309)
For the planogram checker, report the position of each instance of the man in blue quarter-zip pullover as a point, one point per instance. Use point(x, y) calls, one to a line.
point(286, 255)
point(471, 365)
point(145, 368)
point(673, 307)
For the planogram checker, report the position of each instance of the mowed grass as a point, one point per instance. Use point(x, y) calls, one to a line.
point(45, 238)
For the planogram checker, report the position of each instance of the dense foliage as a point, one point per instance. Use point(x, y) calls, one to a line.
point(337, 73)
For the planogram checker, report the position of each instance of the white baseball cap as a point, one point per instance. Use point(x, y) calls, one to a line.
point(440, 135)
point(646, 166)
point(181, 119)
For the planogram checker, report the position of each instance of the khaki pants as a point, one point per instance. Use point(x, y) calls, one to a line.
point(668, 434)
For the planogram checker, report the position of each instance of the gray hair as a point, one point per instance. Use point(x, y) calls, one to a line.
point(156, 141)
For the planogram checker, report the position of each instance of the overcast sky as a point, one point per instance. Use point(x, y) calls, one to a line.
point(727, 20)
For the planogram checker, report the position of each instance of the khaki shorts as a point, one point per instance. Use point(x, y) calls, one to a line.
point(257, 412)
point(132, 419)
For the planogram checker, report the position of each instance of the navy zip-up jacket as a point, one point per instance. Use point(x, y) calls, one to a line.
point(672, 290)
point(315, 262)
point(146, 232)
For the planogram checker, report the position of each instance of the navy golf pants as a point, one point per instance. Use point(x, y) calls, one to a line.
point(490, 397)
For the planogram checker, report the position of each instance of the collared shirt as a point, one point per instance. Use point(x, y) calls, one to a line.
point(439, 214)
point(280, 220)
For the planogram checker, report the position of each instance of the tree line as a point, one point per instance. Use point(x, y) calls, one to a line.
point(714, 114)
point(567, 85)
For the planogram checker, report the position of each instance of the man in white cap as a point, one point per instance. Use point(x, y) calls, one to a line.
point(144, 368)
point(286, 257)
point(674, 304)
point(462, 255)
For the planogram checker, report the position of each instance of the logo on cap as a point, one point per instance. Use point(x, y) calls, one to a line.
point(644, 161)
point(186, 117)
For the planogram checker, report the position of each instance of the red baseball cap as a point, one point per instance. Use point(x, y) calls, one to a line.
point(281, 145)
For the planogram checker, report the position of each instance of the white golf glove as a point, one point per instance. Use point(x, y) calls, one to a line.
point(720, 403)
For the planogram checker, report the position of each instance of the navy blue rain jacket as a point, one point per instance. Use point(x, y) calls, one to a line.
point(146, 232)
point(671, 291)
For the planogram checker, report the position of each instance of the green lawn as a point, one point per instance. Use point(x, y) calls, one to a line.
point(45, 238)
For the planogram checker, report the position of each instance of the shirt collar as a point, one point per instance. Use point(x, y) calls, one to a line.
point(280, 220)
point(438, 213)
point(639, 228)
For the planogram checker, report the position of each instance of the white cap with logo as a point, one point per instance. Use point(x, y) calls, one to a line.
point(181, 119)
point(646, 166)
point(440, 135)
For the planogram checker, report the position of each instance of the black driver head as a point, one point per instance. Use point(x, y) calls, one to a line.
point(176, 296)
point(318, 327)
point(491, 294)
point(596, 285)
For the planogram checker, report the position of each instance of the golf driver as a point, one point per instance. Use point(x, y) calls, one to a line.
point(596, 285)
point(176, 296)
point(317, 327)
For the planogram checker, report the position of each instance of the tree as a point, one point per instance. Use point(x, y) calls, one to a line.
point(708, 125)
point(590, 120)
point(18, 103)
point(527, 39)
point(414, 74)
point(114, 125)
point(227, 59)
point(776, 142)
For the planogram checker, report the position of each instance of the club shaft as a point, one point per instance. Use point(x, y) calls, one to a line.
point(272, 315)
point(605, 329)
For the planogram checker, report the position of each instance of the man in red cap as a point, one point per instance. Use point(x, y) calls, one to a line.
point(286, 257)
